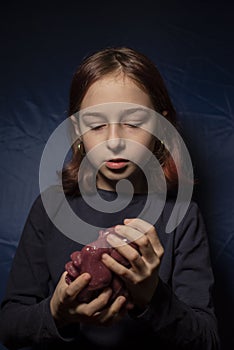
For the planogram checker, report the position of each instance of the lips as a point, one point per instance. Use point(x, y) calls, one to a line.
point(117, 163)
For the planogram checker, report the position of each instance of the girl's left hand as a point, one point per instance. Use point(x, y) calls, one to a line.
point(142, 277)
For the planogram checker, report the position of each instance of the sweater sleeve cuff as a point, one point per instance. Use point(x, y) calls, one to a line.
point(160, 307)
point(66, 334)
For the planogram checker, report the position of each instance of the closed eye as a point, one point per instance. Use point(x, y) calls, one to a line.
point(133, 125)
point(97, 127)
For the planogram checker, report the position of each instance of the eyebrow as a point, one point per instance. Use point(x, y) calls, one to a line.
point(95, 114)
point(101, 114)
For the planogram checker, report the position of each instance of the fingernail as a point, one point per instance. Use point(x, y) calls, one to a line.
point(117, 228)
point(104, 256)
point(121, 299)
point(128, 220)
point(87, 276)
point(113, 238)
point(107, 290)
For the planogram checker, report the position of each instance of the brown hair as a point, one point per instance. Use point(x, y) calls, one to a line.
point(145, 74)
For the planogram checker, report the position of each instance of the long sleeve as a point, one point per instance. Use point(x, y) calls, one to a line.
point(181, 313)
point(25, 313)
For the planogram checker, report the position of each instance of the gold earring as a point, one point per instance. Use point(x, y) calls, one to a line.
point(80, 147)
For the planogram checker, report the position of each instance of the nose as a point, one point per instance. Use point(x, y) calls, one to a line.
point(115, 142)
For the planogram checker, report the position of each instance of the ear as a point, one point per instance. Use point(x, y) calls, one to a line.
point(165, 113)
point(75, 123)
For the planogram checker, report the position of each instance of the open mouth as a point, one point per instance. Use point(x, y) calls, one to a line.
point(117, 163)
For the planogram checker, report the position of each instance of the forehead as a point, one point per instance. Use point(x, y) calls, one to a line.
point(115, 88)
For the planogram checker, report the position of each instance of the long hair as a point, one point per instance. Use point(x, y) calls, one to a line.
point(145, 74)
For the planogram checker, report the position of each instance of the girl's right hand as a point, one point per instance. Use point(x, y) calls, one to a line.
point(65, 308)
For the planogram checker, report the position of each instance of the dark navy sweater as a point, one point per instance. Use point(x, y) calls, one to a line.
point(181, 314)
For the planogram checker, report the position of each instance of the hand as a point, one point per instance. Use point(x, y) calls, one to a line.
point(142, 277)
point(65, 309)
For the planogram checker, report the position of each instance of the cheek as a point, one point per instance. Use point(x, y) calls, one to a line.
point(151, 144)
point(95, 152)
point(88, 146)
point(148, 141)
point(89, 143)
point(140, 152)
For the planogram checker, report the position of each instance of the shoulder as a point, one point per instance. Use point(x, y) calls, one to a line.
point(191, 230)
point(179, 213)
point(180, 218)
point(51, 199)
point(49, 213)
point(47, 203)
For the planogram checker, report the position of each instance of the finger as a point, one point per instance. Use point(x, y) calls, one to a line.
point(125, 273)
point(146, 249)
point(97, 304)
point(131, 233)
point(143, 242)
point(155, 241)
point(130, 253)
point(150, 231)
point(114, 312)
point(139, 224)
point(75, 287)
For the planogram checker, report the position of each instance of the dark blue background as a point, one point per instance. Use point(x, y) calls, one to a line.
point(192, 44)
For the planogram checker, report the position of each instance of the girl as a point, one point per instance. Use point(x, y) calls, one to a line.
point(169, 277)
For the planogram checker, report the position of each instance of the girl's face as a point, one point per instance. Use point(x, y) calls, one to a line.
point(113, 122)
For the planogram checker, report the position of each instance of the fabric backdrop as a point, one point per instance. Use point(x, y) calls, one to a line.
point(192, 44)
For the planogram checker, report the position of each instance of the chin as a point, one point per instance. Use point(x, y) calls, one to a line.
point(109, 176)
